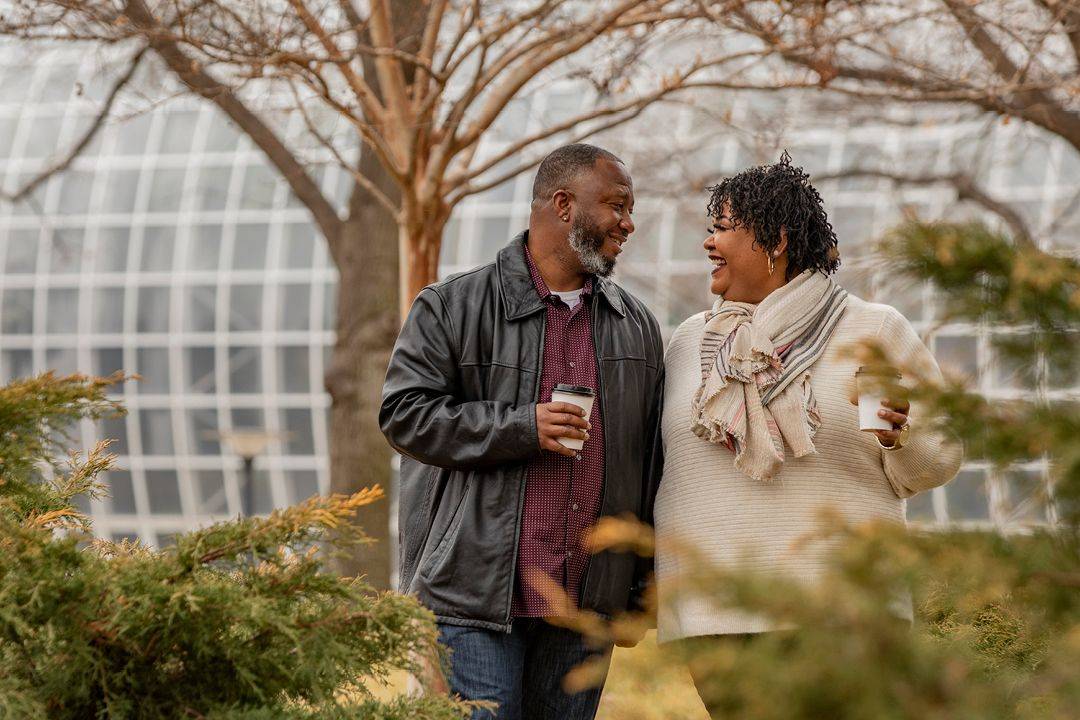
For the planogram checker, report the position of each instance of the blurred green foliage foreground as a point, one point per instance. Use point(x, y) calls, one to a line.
point(237, 620)
point(997, 631)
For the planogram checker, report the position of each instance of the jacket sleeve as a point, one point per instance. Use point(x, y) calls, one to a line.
point(422, 414)
point(930, 457)
point(652, 472)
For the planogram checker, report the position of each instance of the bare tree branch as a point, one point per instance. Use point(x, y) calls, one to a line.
point(1067, 13)
point(1066, 213)
point(965, 186)
point(466, 21)
point(509, 86)
point(88, 136)
point(317, 84)
point(516, 78)
point(428, 44)
point(1024, 99)
point(352, 15)
point(201, 83)
point(373, 109)
point(469, 189)
point(391, 77)
point(526, 22)
point(327, 143)
point(1035, 105)
point(677, 83)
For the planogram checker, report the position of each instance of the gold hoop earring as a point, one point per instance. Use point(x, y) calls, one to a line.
point(772, 264)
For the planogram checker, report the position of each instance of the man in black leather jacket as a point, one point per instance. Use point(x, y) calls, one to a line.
point(467, 403)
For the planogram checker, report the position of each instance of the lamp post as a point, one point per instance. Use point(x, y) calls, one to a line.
point(247, 443)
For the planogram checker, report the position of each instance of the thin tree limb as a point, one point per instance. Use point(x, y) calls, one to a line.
point(357, 176)
point(1051, 117)
point(428, 45)
point(1033, 104)
point(317, 84)
point(529, 20)
point(201, 83)
point(1070, 19)
point(467, 190)
point(352, 16)
point(88, 136)
point(521, 74)
point(676, 84)
point(391, 78)
point(372, 108)
point(966, 189)
point(465, 22)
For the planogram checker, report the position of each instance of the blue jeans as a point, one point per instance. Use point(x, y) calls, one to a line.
point(521, 671)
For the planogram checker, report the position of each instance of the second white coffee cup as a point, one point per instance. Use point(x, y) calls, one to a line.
point(578, 395)
point(875, 383)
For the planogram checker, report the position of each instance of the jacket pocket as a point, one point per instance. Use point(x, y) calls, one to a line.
point(431, 562)
point(420, 516)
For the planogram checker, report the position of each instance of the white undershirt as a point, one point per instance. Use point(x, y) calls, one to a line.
point(570, 297)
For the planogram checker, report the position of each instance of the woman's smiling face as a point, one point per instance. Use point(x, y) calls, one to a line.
point(740, 270)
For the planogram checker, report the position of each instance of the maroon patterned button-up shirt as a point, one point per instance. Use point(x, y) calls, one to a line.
point(562, 494)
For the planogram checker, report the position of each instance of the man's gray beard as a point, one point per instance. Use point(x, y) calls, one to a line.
point(584, 243)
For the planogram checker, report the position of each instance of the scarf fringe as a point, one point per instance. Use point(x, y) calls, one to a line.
point(812, 416)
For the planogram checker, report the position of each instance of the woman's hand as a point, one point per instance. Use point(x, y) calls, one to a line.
point(895, 412)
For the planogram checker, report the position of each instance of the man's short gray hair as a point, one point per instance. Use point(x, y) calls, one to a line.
point(564, 164)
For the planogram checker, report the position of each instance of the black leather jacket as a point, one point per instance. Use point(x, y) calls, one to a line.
point(459, 404)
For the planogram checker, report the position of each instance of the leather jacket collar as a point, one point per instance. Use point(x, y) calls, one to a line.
point(518, 292)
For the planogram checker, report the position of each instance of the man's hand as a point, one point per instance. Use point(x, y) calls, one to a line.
point(895, 411)
point(558, 419)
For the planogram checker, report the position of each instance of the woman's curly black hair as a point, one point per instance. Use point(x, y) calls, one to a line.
point(769, 197)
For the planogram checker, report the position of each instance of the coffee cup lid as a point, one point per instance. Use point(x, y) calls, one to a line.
point(574, 389)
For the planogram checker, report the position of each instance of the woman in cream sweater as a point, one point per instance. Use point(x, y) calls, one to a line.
point(759, 430)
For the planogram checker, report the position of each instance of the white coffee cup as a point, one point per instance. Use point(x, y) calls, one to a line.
point(575, 395)
point(876, 383)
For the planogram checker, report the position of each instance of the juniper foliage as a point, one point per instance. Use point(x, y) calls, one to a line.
point(236, 620)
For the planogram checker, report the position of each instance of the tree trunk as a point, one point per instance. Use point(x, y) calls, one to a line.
point(420, 245)
point(382, 267)
point(366, 325)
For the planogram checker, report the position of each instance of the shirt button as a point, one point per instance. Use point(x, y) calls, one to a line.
point(571, 364)
point(575, 506)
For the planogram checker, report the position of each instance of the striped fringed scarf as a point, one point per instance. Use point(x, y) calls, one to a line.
point(750, 358)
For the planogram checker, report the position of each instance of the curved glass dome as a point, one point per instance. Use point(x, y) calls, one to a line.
point(172, 250)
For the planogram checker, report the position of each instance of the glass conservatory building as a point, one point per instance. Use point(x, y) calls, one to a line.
point(172, 250)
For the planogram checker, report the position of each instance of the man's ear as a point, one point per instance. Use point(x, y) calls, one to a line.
point(563, 203)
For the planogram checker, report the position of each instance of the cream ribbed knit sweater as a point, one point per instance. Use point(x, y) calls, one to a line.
point(730, 518)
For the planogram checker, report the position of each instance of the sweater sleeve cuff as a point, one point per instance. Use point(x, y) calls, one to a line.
point(926, 461)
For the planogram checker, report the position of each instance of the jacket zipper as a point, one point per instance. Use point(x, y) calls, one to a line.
point(521, 490)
